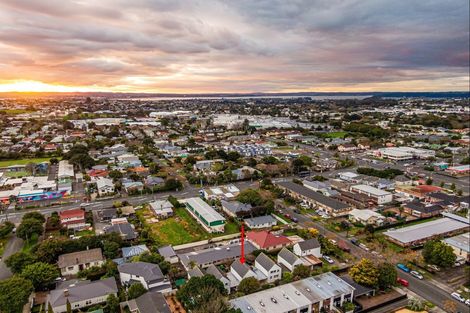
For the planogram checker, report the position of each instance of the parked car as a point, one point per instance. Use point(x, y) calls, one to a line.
point(295, 219)
point(458, 297)
point(354, 241)
point(403, 267)
point(328, 259)
point(416, 274)
point(433, 267)
point(467, 302)
point(403, 282)
point(363, 246)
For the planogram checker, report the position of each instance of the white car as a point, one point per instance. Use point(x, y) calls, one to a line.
point(416, 274)
point(467, 302)
point(328, 259)
point(457, 296)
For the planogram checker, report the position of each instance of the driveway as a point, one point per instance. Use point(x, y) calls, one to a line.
point(14, 245)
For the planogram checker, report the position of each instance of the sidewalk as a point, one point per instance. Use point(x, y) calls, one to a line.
point(411, 294)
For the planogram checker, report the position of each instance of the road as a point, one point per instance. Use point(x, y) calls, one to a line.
point(423, 288)
point(14, 245)
point(430, 292)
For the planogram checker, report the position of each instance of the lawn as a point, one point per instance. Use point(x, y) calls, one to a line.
point(22, 161)
point(17, 174)
point(30, 243)
point(16, 111)
point(3, 244)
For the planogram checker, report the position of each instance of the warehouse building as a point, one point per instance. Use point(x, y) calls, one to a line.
point(209, 218)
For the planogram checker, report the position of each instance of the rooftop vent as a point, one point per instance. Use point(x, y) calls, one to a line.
point(261, 303)
point(273, 300)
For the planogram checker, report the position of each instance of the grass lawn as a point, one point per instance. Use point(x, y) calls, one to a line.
point(85, 232)
point(17, 111)
point(22, 161)
point(17, 174)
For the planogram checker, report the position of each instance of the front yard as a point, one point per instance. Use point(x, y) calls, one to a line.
point(180, 229)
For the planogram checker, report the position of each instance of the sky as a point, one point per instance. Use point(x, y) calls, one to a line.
point(172, 46)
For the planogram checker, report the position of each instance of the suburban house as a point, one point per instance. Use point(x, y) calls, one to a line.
point(82, 294)
point(461, 245)
point(231, 208)
point(288, 259)
point(148, 274)
point(422, 210)
point(162, 208)
point(265, 221)
point(267, 241)
point(169, 254)
point(268, 267)
point(125, 230)
point(149, 302)
point(73, 219)
point(213, 270)
point(366, 217)
point(308, 247)
point(72, 263)
point(241, 271)
point(132, 251)
point(104, 185)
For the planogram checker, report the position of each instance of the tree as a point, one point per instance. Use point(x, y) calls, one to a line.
point(301, 271)
point(40, 274)
point(365, 273)
point(250, 196)
point(34, 215)
point(111, 249)
point(28, 227)
point(115, 174)
point(249, 285)
point(199, 291)
point(429, 181)
point(135, 291)
point(6, 228)
point(14, 293)
point(439, 253)
point(387, 275)
point(112, 303)
point(18, 261)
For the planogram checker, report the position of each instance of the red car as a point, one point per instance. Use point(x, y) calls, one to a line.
point(403, 282)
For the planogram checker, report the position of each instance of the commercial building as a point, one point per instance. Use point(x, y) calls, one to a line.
point(308, 295)
point(379, 196)
point(461, 170)
point(315, 199)
point(417, 235)
point(228, 192)
point(461, 245)
point(404, 153)
point(209, 218)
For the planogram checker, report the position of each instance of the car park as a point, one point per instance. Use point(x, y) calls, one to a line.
point(416, 274)
point(458, 297)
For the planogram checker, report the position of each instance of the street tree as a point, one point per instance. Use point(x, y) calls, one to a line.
point(387, 275)
point(14, 293)
point(365, 273)
point(439, 253)
point(40, 274)
point(18, 261)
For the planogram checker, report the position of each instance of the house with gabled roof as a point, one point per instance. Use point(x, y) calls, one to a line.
point(268, 267)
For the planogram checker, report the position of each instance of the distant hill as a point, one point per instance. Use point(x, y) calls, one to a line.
point(398, 94)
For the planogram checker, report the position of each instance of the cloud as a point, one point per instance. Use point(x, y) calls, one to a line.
point(219, 45)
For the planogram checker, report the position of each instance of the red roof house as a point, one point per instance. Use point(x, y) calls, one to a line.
point(267, 241)
point(72, 218)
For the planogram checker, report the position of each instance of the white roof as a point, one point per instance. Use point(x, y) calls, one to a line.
point(371, 190)
point(205, 210)
point(365, 214)
point(425, 230)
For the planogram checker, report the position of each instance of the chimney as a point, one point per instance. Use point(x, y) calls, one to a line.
point(66, 292)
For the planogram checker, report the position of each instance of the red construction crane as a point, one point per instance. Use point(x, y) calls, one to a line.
point(242, 254)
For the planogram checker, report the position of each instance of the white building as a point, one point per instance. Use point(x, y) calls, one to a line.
point(209, 218)
point(366, 217)
point(288, 259)
point(378, 195)
point(72, 263)
point(308, 247)
point(148, 274)
point(268, 267)
point(104, 186)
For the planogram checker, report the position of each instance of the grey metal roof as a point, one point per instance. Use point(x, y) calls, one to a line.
point(150, 272)
point(288, 256)
point(260, 220)
point(195, 272)
point(80, 257)
point(212, 255)
point(317, 197)
point(235, 206)
point(425, 230)
point(124, 229)
point(152, 302)
point(239, 268)
point(213, 270)
point(309, 244)
point(166, 251)
point(82, 292)
point(128, 252)
point(264, 261)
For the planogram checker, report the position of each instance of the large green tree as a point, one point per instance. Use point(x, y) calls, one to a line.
point(18, 261)
point(249, 285)
point(365, 273)
point(387, 275)
point(301, 271)
point(199, 291)
point(14, 293)
point(135, 291)
point(41, 274)
point(29, 227)
point(112, 304)
point(6, 228)
point(439, 253)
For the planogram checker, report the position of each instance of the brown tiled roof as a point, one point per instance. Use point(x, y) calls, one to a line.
point(80, 257)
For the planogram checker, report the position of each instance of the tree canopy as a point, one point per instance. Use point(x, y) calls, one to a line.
point(199, 292)
point(439, 253)
point(14, 293)
point(40, 274)
point(249, 285)
point(365, 273)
